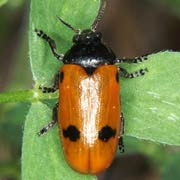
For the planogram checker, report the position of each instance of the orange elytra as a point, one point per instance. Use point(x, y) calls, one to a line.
point(89, 116)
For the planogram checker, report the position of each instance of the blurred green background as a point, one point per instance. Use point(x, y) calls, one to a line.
point(131, 28)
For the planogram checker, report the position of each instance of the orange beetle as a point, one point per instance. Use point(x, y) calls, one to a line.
point(89, 111)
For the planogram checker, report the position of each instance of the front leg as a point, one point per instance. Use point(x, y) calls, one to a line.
point(132, 60)
point(51, 42)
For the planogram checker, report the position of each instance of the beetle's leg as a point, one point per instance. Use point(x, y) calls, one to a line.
point(132, 60)
point(52, 123)
point(122, 124)
point(135, 74)
point(120, 143)
point(55, 86)
point(51, 42)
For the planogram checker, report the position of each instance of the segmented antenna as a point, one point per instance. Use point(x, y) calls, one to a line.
point(99, 16)
point(69, 26)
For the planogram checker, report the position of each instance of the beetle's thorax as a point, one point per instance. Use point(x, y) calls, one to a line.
point(88, 51)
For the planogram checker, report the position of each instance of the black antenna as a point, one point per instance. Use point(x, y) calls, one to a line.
point(69, 26)
point(99, 16)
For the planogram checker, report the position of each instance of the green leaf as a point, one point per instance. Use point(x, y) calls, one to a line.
point(2, 2)
point(42, 156)
point(151, 104)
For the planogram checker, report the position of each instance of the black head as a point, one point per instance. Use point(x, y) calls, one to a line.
point(88, 50)
point(87, 37)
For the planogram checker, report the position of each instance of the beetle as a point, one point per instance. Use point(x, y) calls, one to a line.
point(89, 109)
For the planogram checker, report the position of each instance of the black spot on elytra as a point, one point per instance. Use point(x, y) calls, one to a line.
point(106, 133)
point(117, 77)
point(72, 133)
point(61, 76)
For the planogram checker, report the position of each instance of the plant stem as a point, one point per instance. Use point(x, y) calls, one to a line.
point(31, 95)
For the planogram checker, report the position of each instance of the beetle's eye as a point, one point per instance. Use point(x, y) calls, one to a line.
point(76, 38)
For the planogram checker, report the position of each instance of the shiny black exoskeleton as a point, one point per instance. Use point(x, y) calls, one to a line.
point(89, 51)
